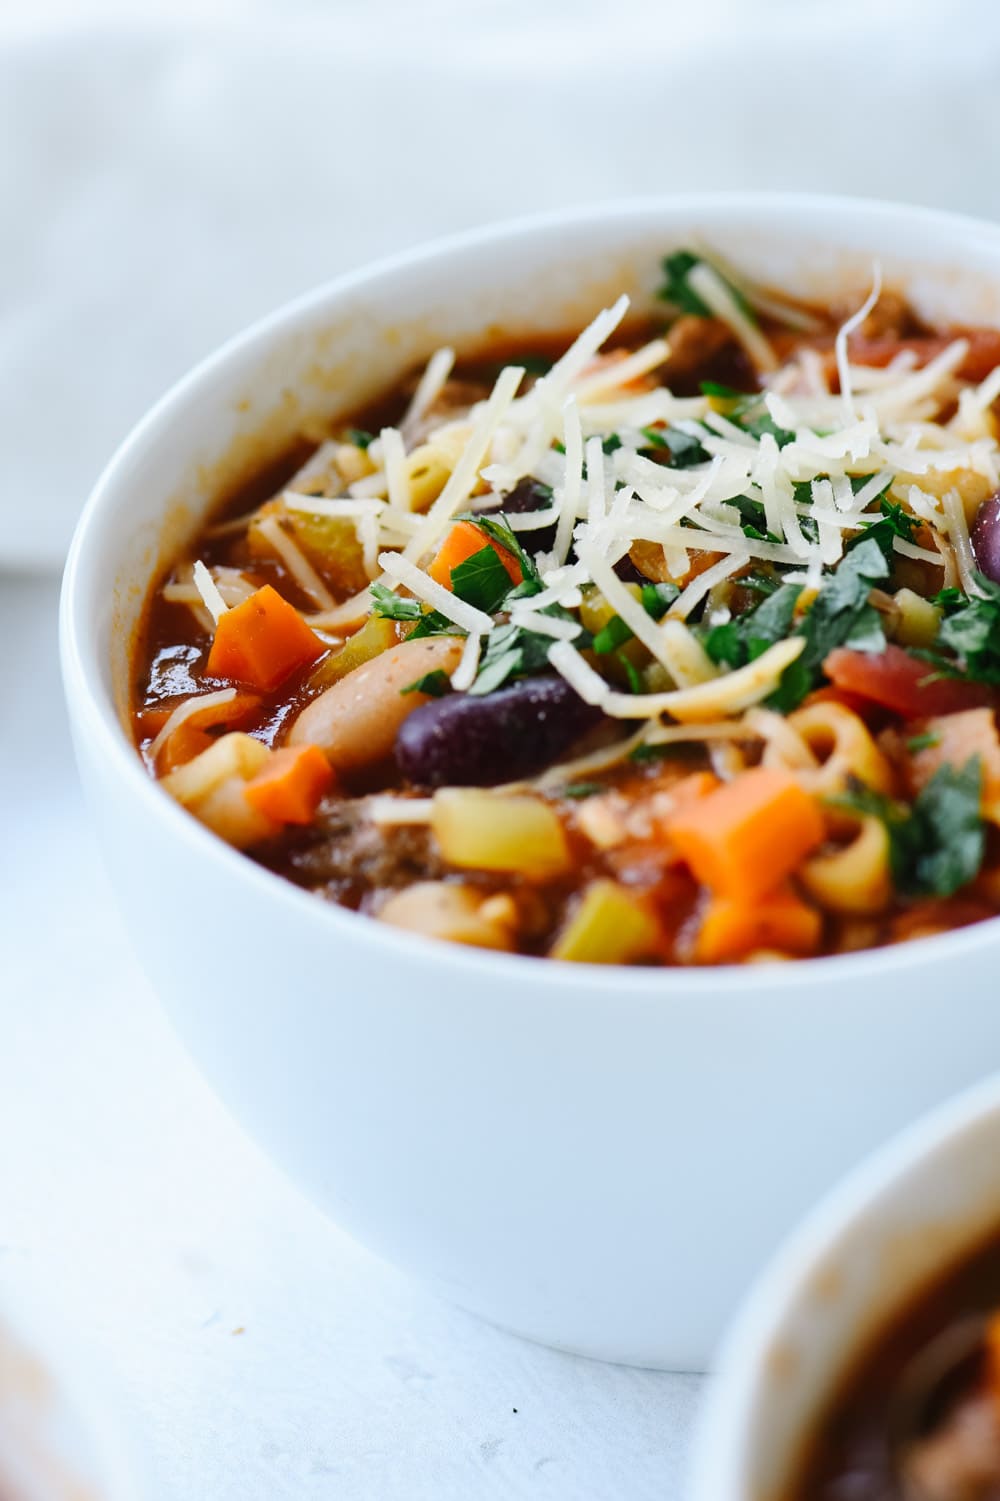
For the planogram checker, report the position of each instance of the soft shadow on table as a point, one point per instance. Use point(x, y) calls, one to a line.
point(259, 1354)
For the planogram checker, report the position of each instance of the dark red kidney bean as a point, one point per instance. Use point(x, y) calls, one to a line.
point(629, 573)
point(527, 496)
point(464, 740)
point(985, 537)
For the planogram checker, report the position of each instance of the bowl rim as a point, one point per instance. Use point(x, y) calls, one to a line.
point(81, 665)
point(737, 1398)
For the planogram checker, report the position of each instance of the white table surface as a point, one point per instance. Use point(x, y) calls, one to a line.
point(254, 1350)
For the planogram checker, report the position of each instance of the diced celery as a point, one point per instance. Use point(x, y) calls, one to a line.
point(480, 830)
point(375, 636)
point(332, 546)
point(918, 619)
point(610, 926)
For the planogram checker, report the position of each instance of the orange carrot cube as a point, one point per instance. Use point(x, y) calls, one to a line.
point(747, 837)
point(462, 542)
point(292, 783)
point(262, 641)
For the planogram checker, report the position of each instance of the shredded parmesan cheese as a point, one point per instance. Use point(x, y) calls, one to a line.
point(207, 588)
point(723, 696)
point(396, 477)
point(296, 562)
point(843, 334)
point(465, 673)
point(463, 476)
point(429, 388)
point(712, 290)
point(185, 711)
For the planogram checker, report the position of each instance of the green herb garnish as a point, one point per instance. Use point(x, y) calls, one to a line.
point(894, 522)
point(433, 623)
point(512, 651)
point(481, 580)
point(499, 530)
point(436, 683)
point(742, 640)
point(685, 449)
point(936, 845)
point(678, 291)
point(656, 600)
point(971, 629)
point(922, 742)
point(391, 606)
point(840, 616)
point(359, 437)
point(612, 636)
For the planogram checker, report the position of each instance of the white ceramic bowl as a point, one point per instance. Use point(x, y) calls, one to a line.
point(898, 1222)
point(597, 1158)
point(57, 1442)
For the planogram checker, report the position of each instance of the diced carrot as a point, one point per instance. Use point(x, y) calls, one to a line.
point(745, 838)
point(192, 735)
point(731, 928)
point(688, 790)
point(290, 786)
point(262, 641)
point(462, 542)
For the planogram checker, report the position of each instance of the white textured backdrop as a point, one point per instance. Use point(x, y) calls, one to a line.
point(169, 172)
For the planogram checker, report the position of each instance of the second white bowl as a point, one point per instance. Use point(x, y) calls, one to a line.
point(892, 1228)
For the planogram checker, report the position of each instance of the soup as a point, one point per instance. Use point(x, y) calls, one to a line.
point(670, 644)
point(919, 1417)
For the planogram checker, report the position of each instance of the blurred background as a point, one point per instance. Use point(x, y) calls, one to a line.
point(169, 171)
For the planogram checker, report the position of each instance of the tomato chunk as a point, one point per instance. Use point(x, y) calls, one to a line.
point(901, 682)
point(982, 356)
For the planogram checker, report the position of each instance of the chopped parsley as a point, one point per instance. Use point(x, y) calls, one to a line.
point(753, 519)
point(612, 636)
point(684, 448)
point(971, 629)
point(747, 411)
point(581, 789)
point(894, 522)
point(533, 364)
point(742, 640)
point(500, 530)
point(936, 846)
point(436, 683)
point(359, 437)
point(656, 600)
point(840, 616)
point(390, 605)
point(922, 742)
point(677, 290)
point(481, 580)
point(433, 623)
